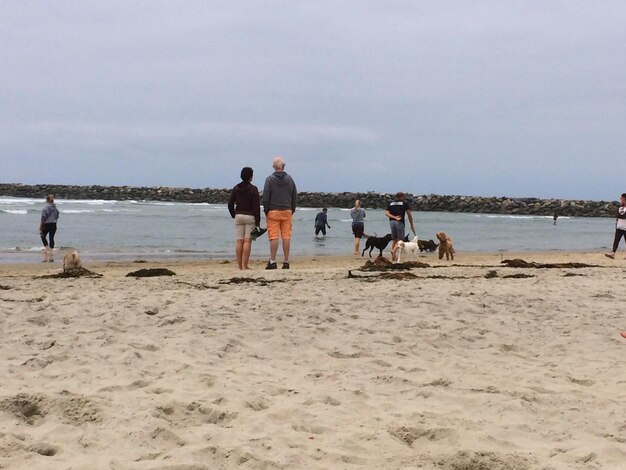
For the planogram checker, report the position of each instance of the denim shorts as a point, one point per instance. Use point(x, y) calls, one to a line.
point(397, 230)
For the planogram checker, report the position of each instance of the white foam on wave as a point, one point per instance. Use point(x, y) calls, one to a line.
point(511, 216)
point(15, 211)
point(13, 201)
point(121, 210)
point(19, 249)
point(77, 211)
point(89, 202)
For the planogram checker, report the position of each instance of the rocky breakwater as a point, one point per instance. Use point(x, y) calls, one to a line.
point(370, 200)
point(469, 204)
point(118, 193)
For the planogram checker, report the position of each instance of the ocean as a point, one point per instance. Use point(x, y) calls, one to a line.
point(150, 230)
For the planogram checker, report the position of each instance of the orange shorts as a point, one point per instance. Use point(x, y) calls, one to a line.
point(279, 222)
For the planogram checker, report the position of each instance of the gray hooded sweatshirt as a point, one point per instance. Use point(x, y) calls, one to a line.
point(279, 193)
point(49, 214)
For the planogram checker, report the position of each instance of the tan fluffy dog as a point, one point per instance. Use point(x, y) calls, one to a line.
point(71, 261)
point(445, 246)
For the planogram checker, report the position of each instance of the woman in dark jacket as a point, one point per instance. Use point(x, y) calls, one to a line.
point(245, 207)
point(48, 227)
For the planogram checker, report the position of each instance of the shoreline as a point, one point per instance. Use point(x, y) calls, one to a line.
point(328, 261)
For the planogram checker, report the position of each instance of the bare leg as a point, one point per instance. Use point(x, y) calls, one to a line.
point(356, 246)
point(239, 252)
point(286, 249)
point(247, 246)
point(394, 246)
point(273, 249)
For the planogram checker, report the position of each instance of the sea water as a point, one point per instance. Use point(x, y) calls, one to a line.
point(151, 230)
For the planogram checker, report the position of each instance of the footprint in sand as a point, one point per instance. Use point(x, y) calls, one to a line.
point(584, 382)
point(409, 435)
point(163, 438)
point(70, 408)
point(258, 404)
point(480, 460)
point(193, 414)
point(45, 449)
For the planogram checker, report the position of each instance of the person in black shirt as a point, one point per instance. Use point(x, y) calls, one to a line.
point(396, 211)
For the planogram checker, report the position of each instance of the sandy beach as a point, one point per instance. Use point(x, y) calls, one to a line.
point(461, 365)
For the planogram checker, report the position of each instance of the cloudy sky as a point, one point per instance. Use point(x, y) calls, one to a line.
point(491, 98)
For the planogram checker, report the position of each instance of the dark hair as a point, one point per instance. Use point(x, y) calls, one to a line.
point(400, 195)
point(624, 195)
point(246, 174)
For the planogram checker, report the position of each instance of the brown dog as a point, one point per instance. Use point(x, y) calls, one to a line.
point(445, 246)
point(71, 261)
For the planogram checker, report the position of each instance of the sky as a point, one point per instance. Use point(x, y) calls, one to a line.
point(486, 98)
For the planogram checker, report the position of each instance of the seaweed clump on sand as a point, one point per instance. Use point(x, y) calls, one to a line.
point(397, 276)
point(151, 272)
point(383, 264)
point(251, 280)
point(71, 274)
point(520, 263)
point(494, 274)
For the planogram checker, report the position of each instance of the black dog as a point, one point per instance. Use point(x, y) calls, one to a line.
point(377, 242)
point(427, 245)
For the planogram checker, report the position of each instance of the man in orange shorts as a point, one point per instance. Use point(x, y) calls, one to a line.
point(279, 204)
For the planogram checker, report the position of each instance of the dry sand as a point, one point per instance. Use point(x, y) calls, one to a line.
point(454, 369)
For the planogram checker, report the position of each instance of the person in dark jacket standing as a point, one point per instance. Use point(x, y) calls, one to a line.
point(48, 227)
point(321, 222)
point(244, 206)
point(279, 204)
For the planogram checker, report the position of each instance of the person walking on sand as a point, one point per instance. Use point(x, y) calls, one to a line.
point(620, 226)
point(358, 225)
point(48, 228)
point(245, 207)
point(279, 204)
point(396, 211)
point(321, 222)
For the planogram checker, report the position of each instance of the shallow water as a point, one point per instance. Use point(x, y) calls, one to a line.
point(128, 230)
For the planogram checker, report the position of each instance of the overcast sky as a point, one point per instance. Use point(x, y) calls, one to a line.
point(492, 98)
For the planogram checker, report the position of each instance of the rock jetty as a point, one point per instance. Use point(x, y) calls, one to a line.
point(426, 203)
